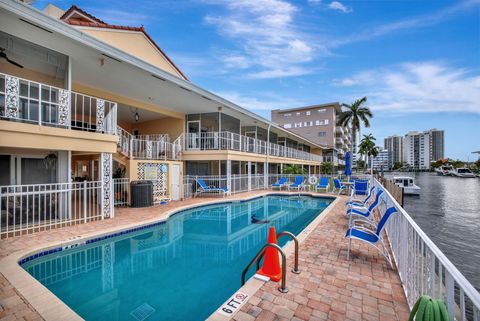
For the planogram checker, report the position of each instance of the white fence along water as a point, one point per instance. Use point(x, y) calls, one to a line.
point(31, 208)
point(424, 268)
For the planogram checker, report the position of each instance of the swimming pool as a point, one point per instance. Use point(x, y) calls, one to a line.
point(182, 269)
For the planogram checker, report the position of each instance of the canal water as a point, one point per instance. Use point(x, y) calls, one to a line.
point(448, 210)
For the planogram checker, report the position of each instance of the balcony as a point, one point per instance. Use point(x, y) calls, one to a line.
point(31, 102)
point(154, 147)
point(236, 142)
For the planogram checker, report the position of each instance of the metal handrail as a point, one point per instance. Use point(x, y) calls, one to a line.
point(286, 233)
point(283, 287)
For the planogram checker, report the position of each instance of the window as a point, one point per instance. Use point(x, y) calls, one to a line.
point(308, 113)
point(311, 123)
point(298, 125)
point(287, 115)
point(317, 122)
point(305, 124)
point(322, 134)
point(322, 110)
point(298, 114)
point(287, 126)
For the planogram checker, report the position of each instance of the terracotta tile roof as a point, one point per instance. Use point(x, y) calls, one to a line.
point(75, 8)
point(101, 24)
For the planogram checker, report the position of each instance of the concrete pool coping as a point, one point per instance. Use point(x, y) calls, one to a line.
point(50, 307)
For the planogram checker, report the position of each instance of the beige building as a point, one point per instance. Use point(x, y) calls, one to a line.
point(87, 107)
point(317, 123)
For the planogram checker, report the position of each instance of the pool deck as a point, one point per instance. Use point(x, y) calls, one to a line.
point(328, 288)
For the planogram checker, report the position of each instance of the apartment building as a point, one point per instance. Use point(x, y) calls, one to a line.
point(87, 107)
point(317, 123)
point(394, 146)
point(422, 148)
point(381, 161)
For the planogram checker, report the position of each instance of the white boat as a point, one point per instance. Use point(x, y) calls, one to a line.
point(462, 172)
point(444, 170)
point(408, 185)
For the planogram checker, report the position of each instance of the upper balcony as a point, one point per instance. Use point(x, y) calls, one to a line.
point(209, 141)
point(32, 102)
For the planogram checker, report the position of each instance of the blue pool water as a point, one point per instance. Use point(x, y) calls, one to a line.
point(183, 269)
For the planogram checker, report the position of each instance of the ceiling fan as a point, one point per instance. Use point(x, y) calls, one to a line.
point(4, 55)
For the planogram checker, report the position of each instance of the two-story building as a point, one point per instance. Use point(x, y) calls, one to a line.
point(87, 107)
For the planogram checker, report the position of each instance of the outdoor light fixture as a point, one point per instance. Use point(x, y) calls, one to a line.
point(135, 114)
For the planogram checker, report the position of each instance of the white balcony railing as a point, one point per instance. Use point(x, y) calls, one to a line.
point(424, 268)
point(237, 142)
point(155, 147)
point(32, 102)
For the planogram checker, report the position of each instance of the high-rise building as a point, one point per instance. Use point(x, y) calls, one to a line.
point(381, 161)
point(422, 148)
point(437, 145)
point(318, 124)
point(394, 146)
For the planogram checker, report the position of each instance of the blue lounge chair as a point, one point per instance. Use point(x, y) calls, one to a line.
point(281, 182)
point(363, 211)
point(338, 186)
point(324, 183)
point(298, 184)
point(359, 202)
point(371, 236)
point(204, 188)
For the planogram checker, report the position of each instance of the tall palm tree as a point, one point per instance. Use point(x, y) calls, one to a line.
point(367, 147)
point(354, 115)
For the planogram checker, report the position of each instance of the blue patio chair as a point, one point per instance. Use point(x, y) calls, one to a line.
point(324, 183)
point(204, 188)
point(281, 182)
point(298, 184)
point(371, 236)
point(360, 187)
point(364, 212)
point(338, 186)
point(359, 202)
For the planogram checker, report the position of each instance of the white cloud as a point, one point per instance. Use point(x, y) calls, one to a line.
point(233, 61)
point(266, 37)
point(314, 2)
point(336, 5)
point(415, 22)
point(418, 87)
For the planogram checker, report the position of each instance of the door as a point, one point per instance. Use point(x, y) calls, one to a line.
point(193, 137)
point(175, 182)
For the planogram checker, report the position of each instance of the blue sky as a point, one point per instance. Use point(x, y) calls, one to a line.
point(418, 62)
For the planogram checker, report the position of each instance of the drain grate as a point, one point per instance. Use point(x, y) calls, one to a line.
point(142, 312)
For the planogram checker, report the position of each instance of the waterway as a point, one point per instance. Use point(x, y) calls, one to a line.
point(448, 210)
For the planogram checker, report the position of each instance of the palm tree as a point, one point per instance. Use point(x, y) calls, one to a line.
point(355, 115)
point(293, 169)
point(367, 147)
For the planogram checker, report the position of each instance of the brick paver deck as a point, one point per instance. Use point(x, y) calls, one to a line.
point(329, 287)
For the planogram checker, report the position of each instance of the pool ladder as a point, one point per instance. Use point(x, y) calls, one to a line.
point(258, 258)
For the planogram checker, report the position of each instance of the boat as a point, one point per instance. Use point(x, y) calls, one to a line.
point(408, 185)
point(462, 172)
point(444, 170)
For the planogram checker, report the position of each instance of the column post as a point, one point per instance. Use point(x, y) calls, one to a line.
point(266, 171)
point(229, 175)
point(249, 173)
point(106, 186)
